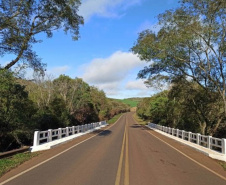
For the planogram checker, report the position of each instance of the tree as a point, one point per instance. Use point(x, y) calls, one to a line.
point(191, 43)
point(16, 125)
point(21, 21)
point(204, 107)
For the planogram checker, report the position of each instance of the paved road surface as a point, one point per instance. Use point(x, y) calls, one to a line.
point(124, 153)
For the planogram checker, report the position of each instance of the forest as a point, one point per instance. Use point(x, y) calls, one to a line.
point(44, 103)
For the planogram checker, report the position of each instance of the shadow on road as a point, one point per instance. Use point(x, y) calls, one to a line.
point(135, 126)
point(104, 133)
point(142, 127)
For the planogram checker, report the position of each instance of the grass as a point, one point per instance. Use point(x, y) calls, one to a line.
point(114, 119)
point(132, 102)
point(139, 120)
point(223, 164)
point(129, 102)
point(6, 164)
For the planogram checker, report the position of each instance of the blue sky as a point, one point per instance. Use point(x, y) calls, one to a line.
point(102, 55)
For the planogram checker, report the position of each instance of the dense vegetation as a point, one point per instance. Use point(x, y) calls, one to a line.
point(188, 52)
point(44, 104)
point(185, 106)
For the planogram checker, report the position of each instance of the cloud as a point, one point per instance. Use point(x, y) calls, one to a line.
point(115, 68)
point(105, 8)
point(112, 73)
point(136, 85)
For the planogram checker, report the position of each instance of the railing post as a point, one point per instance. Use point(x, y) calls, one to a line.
point(67, 131)
point(49, 135)
point(209, 142)
point(78, 129)
point(189, 136)
point(73, 130)
point(59, 133)
point(36, 138)
point(223, 143)
point(183, 134)
point(177, 132)
point(197, 138)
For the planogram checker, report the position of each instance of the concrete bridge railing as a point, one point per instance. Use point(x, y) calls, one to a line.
point(42, 137)
point(209, 142)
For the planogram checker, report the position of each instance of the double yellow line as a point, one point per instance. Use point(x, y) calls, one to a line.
point(125, 145)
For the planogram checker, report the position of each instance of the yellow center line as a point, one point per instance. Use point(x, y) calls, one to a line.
point(118, 177)
point(124, 146)
point(126, 180)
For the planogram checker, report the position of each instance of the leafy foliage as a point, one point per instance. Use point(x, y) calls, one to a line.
point(189, 52)
point(190, 44)
point(43, 104)
point(185, 106)
point(21, 21)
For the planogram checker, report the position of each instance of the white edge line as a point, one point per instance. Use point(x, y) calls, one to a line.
point(10, 179)
point(222, 177)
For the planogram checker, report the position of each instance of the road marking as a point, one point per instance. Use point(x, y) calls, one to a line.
point(126, 180)
point(118, 176)
point(125, 146)
point(47, 160)
point(222, 177)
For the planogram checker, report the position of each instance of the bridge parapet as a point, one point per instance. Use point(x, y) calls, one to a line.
point(43, 137)
point(209, 142)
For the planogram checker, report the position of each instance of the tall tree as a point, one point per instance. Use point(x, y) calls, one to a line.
point(190, 43)
point(22, 20)
point(16, 125)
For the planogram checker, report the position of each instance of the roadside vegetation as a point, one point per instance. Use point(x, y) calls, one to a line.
point(114, 119)
point(139, 119)
point(45, 103)
point(9, 163)
point(223, 164)
point(187, 64)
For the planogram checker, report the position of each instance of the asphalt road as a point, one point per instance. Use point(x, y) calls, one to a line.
point(123, 154)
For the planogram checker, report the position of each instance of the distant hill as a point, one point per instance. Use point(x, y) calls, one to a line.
point(132, 102)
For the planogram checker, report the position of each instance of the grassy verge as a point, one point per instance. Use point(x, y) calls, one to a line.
point(223, 164)
point(9, 163)
point(114, 119)
point(139, 120)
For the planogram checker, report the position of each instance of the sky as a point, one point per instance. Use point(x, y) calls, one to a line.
point(102, 56)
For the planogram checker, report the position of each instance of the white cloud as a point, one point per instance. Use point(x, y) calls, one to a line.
point(112, 73)
point(136, 85)
point(104, 8)
point(112, 69)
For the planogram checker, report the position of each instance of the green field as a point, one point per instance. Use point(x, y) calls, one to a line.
point(132, 102)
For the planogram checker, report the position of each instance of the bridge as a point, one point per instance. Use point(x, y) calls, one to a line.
point(124, 153)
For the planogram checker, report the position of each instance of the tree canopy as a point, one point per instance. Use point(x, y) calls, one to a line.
point(190, 43)
point(21, 21)
point(48, 104)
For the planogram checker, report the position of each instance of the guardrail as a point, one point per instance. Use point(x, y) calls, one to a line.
point(210, 142)
point(41, 137)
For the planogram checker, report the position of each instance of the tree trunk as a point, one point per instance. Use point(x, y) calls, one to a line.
point(202, 127)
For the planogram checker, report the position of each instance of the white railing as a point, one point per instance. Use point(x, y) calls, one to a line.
point(210, 142)
point(41, 137)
